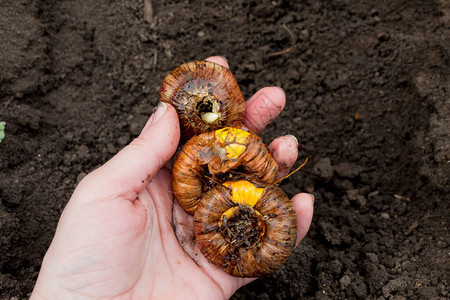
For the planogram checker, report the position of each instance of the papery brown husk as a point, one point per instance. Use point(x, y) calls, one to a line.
point(276, 245)
point(201, 156)
point(208, 77)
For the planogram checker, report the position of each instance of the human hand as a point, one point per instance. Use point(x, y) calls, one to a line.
point(115, 237)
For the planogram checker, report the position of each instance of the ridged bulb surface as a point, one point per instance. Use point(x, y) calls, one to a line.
point(214, 157)
point(206, 96)
point(245, 230)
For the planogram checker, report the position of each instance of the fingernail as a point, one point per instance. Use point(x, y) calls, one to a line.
point(312, 198)
point(294, 138)
point(281, 89)
point(157, 114)
point(160, 110)
point(224, 58)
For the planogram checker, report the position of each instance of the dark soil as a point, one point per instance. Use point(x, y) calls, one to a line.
point(368, 85)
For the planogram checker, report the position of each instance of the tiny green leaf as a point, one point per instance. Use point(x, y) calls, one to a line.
point(2, 130)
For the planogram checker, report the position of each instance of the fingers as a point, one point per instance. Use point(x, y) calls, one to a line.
point(260, 110)
point(219, 60)
point(304, 207)
point(130, 170)
point(263, 107)
point(284, 150)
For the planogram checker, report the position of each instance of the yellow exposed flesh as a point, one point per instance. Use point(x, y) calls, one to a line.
point(228, 213)
point(236, 139)
point(230, 134)
point(244, 192)
point(234, 150)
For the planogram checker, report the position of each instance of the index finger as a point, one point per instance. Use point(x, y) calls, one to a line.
point(263, 107)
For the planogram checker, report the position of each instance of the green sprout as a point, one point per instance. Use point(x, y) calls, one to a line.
point(2, 130)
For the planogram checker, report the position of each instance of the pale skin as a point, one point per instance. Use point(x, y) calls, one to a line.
point(115, 238)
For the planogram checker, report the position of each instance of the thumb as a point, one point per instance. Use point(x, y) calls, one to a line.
point(130, 170)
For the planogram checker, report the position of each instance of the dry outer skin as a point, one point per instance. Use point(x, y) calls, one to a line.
point(205, 156)
point(198, 87)
point(261, 257)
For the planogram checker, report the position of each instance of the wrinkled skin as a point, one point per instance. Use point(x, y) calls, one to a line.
point(115, 238)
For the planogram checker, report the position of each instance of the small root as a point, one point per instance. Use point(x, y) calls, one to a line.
point(287, 50)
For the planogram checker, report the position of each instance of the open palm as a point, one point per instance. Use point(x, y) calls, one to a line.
point(116, 239)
